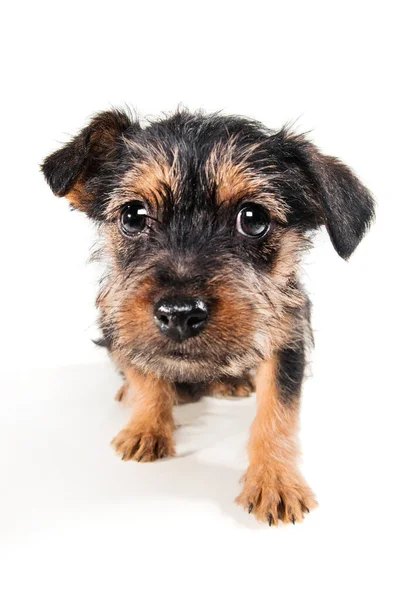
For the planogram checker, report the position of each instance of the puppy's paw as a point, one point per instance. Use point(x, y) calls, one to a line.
point(240, 387)
point(271, 496)
point(145, 446)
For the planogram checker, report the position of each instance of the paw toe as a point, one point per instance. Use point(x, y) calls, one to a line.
point(272, 501)
point(142, 447)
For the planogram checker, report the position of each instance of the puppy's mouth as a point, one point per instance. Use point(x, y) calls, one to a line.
point(193, 350)
point(194, 364)
point(182, 354)
point(174, 356)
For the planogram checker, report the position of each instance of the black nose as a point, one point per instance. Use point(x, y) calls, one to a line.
point(180, 318)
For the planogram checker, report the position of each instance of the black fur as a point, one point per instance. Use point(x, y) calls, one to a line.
point(191, 219)
point(89, 157)
point(331, 193)
point(191, 176)
point(291, 364)
point(318, 189)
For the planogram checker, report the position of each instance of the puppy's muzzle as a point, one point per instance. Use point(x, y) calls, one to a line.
point(181, 318)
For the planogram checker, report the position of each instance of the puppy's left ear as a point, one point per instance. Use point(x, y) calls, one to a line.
point(78, 170)
point(338, 198)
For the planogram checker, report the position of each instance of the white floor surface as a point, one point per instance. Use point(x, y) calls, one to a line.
point(77, 522)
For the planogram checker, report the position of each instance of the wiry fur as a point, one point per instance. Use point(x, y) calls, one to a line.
point(193, 172)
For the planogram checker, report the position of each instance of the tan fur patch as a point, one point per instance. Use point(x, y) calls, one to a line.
point(79, 197)
point(149, 433)
point(228, 167)
point(149, 178)
point(238, 387)
point(273, 486)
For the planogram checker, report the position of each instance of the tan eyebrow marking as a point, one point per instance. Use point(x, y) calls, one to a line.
point(149, 177)
point(229, 169)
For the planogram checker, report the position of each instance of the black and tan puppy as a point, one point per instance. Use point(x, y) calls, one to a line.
point(204, 220)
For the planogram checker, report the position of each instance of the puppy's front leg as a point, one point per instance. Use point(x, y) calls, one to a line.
point(273, 486)
point(149, 433)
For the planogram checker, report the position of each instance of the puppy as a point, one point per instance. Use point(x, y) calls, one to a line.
point(204, 220)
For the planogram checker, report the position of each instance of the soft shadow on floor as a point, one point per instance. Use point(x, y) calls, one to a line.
point(58, 463)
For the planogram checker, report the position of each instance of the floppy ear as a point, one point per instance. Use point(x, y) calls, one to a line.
point(74, 170)
point(340, 200)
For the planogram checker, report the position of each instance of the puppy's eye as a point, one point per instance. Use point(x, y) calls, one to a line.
point(253, 221)
point(132, 218)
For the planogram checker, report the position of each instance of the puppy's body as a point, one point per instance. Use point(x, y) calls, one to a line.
point(204, 220)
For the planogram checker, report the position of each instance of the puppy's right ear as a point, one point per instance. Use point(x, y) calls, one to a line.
point(335, 197)
point(75, 170)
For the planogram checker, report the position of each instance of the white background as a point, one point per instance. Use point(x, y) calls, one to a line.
point(76, 522)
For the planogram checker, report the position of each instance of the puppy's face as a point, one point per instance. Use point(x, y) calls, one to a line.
point(204, 220)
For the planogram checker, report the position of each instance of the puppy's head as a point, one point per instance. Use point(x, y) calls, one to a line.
point(204, 220)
